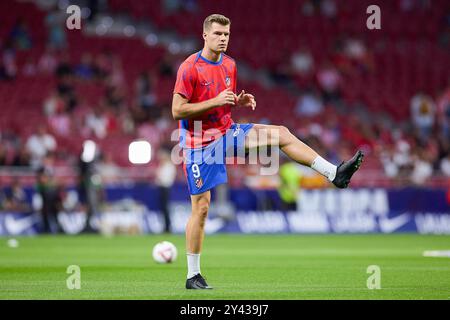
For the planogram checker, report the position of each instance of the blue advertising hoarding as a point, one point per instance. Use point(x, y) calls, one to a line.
point(137, 208)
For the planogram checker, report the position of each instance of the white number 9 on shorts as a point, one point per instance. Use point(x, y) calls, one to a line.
point(196, 170)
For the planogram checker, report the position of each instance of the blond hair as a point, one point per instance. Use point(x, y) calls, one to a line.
point(218, 18)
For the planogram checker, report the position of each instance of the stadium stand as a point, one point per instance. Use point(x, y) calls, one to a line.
point(364, 82)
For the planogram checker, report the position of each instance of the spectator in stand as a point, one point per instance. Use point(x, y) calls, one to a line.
point(85, 69)
point(329, 81)
point(48, 62)
point(60, 123)
point(171, 6)
point(386, 159)
point(70, 99)
point(423, 112)
point(103, 65)
point(113, 120)
point(406, 5)
point(8, 66)
point(127, 125)
point(422, 168)
point(65, 87)
point(302, 62)
point(97, 123)
point(190, 6)
point(330, 132)
point(328, 8)
point(115, 98)
point(3, 73)
point(64, 68)
point(116, 78)
point(282, 74)
point(96, 7)
point(10, 146)
point(309, 104)
point(310, 7)
point(443, 113)
point(21, 158)
point(56, 24)
point(53, 104)
point(29, 69)
point(414, 5)
point(339, 57)
point(20, 35)
point(39, 145)
point(145, 91)
point(357, 52)
point(444, 37)
point(398, 160)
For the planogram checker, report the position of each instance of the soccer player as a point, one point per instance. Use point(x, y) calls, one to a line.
point(203, 97)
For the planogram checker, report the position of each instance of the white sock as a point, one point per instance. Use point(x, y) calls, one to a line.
point(324, 167)
point(193, 262)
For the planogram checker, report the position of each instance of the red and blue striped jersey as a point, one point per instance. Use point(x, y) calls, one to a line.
point(198, 80)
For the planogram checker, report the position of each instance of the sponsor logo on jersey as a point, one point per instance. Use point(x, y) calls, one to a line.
point(236, 130)
point(206, 83)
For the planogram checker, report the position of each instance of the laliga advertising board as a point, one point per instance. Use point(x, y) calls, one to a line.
point(319, 211)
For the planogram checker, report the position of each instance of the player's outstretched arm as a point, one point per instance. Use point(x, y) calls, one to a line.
point(182, 109)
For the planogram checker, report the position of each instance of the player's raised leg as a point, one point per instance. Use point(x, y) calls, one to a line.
point(195, 231)
point(301, 153)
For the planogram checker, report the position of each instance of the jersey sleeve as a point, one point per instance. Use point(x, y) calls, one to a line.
point(186, 78)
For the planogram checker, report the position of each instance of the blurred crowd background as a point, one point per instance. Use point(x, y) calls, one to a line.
point(312, 64)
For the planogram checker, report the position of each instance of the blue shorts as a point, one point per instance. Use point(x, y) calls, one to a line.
point(205, 167)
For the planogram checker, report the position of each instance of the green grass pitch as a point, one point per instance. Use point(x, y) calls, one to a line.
point(237, 266)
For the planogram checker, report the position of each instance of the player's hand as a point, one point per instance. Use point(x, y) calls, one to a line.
point(225, 97)
point(245, 100)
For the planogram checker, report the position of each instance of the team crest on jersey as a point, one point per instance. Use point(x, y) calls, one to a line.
point(228, 81)
point(199, 183)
